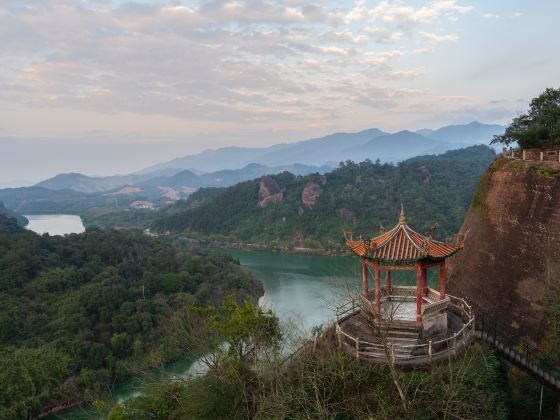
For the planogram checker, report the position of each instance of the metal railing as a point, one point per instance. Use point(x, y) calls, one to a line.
point(521, 352)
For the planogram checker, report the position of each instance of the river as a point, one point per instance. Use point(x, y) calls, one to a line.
point(301, 289)
point(55, 224)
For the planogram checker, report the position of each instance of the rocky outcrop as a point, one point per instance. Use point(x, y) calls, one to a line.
point(270, 192)
point(348, 216)
point(309, 195)
point(427, 174)
point(512, 229)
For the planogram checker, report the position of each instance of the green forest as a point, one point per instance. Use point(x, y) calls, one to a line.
point(20, 220)
point(356, 197)
point(250, 378)
point(80, 312)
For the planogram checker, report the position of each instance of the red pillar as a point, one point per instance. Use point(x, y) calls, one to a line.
point(388, 286)
point(377, 288)
point(364, 278)
point(442, 280)
point(424, 281)
point(419, 285)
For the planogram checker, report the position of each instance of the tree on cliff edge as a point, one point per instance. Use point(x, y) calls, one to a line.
point(539, 126)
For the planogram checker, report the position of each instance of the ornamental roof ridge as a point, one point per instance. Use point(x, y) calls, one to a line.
point(402, 243)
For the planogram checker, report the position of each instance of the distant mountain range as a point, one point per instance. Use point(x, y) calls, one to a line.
point(228, 166)
point(330, 150)
point(86, 184)
point(178, 185)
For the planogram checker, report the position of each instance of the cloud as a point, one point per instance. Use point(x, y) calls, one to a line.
point(431, 37)
point(222, 61)
point(403, 14)
point(383, 34)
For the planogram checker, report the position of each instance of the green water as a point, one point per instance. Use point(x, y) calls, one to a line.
point(301, 289)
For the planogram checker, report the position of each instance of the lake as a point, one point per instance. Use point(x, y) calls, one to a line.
point(55, 224)
point(302, 290)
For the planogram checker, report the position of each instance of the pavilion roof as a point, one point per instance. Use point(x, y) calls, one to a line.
point(402, 245)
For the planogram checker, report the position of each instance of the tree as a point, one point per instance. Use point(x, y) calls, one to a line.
point(240, 333)
point(539, 126)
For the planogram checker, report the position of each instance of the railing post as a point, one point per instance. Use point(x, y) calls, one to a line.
point(357, 349)
point(430, 351)
point(393, 354)
point(338, 334)
point(454, 344)
point(353, 308)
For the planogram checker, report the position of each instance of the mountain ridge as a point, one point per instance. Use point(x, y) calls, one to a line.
point(233, 157)
point(283, 210)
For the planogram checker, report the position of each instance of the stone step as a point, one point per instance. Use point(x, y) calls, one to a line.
point(399, 325)
point(404, 334)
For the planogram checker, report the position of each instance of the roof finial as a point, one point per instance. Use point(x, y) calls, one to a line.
point(402, 219)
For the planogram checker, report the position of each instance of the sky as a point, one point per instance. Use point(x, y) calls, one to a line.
point(107, 86)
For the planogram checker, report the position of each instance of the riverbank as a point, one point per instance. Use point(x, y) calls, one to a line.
point(283, 249)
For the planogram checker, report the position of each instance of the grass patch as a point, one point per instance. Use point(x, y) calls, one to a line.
point(547, 173)
point(479, 197)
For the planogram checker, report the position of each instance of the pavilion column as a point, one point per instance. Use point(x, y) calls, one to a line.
point(388, 286)
point(419, 286)
point(442, 280)
point(364, 278)
point(424, 281)
point(377, 288)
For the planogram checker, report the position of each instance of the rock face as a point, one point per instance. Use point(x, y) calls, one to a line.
point(310, 194)
point(426, 173)
point(270, 192)
point(512, 228)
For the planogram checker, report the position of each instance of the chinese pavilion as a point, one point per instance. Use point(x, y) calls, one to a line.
point(409, 315)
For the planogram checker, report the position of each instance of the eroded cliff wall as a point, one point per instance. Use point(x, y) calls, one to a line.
point(512, 229)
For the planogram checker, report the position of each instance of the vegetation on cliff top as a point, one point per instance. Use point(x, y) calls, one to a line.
point(355, 197)
point(540, 126)
point(79, 312)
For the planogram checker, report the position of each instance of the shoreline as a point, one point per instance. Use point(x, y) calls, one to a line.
point(258, 247)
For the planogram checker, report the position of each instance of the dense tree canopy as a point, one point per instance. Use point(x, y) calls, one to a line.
point(355, 197)
point(539, 126)
point(80, 312)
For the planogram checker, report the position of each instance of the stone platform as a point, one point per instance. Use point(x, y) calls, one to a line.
point(399, 339)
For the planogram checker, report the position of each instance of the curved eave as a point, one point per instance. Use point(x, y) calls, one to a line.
point(360, 250)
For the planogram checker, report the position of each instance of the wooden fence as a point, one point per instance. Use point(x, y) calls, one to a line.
point(543, 155)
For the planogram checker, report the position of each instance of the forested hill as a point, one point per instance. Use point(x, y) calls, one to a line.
point(9, 225)
point(78, 313)
point(312, 211)
point(20, 220)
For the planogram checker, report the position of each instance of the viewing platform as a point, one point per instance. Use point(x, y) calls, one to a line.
point(396, 337)
point(403, 325)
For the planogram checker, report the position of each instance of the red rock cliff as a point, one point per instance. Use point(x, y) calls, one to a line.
point(512, 228)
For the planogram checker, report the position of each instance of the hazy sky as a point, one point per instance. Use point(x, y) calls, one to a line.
point(105, 86)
